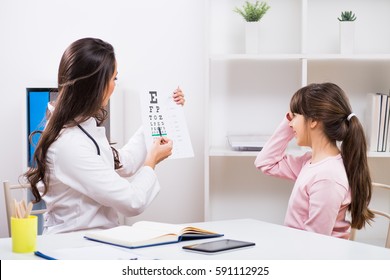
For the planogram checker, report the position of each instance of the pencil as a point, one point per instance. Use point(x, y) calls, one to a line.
point(162, 138)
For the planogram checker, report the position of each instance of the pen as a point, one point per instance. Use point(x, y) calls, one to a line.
point(162, 139)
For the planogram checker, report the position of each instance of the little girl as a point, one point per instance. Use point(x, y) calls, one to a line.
point(331, 179)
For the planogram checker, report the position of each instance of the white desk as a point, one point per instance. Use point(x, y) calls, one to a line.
point(273, 242)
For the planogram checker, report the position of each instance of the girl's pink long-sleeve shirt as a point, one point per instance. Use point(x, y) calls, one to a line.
point(321, 195)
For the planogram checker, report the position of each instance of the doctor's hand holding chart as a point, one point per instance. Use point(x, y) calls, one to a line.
point(163, 120)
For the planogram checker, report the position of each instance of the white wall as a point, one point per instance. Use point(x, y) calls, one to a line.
point(155, 41)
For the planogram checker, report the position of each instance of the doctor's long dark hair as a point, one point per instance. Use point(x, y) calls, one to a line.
point(85, 70)
point(328, 104)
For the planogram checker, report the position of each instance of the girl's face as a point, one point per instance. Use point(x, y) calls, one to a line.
point(301, 129)
point(110, 88)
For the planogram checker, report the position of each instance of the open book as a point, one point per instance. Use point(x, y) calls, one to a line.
point(145, 233)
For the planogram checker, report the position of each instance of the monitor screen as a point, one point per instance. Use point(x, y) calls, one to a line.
point(37, 100)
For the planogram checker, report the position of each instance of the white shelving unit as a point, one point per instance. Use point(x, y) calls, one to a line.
point(250, 94)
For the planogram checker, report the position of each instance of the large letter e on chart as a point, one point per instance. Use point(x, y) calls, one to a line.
point(153, 97)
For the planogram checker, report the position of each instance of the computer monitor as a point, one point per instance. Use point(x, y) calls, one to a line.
point(37, 100)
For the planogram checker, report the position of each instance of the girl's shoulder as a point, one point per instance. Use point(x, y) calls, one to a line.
point(331, 169)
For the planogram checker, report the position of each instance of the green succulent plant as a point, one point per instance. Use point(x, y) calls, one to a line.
point(347, 16)
point(252, 11)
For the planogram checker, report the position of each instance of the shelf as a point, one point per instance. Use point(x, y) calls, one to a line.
point(285, 56)
point(378, 154)
point(227, 152)
point(347, 57)
point(281, 56)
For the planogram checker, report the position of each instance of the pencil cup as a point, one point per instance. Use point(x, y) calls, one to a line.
point(24, 234)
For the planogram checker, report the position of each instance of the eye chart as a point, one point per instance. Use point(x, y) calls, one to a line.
point(160, 114)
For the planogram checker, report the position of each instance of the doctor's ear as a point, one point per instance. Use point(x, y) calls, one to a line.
point(313, 123)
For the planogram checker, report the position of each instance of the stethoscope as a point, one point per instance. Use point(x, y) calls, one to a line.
point(90, 137)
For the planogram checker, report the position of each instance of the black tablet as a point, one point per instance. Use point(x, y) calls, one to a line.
point(218, 246)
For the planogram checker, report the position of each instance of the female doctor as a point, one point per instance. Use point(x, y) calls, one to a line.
point(76, 171)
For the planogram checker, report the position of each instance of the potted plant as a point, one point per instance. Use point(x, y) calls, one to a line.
point(347, 32)
point(252, 14)
point(347, 16)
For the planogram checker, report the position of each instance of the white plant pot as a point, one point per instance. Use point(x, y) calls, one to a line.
point(347, 37)
point(251, 37)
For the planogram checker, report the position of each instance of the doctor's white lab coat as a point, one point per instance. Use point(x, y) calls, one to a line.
point(85, 192)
